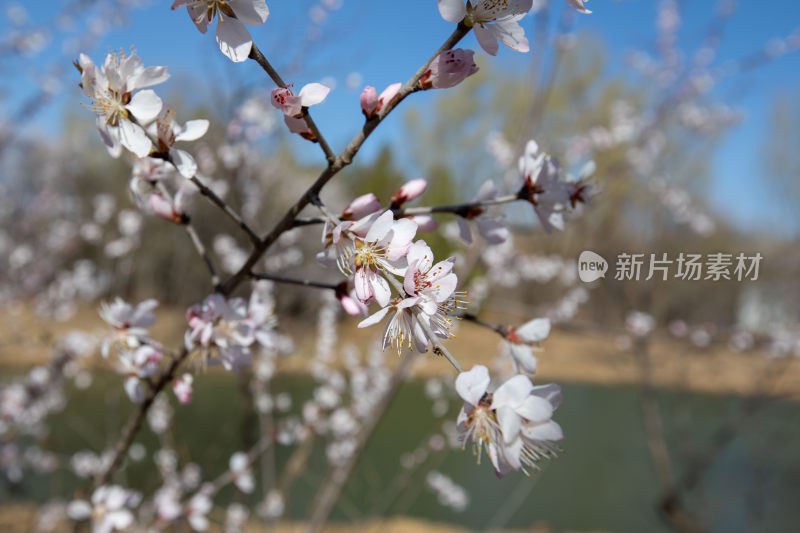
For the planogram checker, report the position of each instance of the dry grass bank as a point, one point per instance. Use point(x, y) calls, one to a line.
point(568, 356)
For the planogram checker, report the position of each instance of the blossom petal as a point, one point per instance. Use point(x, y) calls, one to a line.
point(133, 137)
point(535, 330)
point(375, 318)
point(452, 10)
point(535, 409)
point(524, 357)
point(381, 290)
point(513, 392)
point(148, 77)
point(380, 227)
point(252, 12)
point(184, 162)
point(511, 34)
point(463, 230)
point(472, 384)
point(494, 231)
point(549, 430)
point(510, 423)
point(234, 40)
point(550, 392)
point(487, 40)
point(145, 106)
point(313, 94)
point(193, 130)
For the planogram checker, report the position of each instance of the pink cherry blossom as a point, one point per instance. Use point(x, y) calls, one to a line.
point(450, 68)
point(284, 99)
point(182, 387)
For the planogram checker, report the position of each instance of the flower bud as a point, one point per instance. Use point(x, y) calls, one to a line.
point(369, 101)
point(388, 95)
point(410, 190)
point(163, 208)
point(361, 207)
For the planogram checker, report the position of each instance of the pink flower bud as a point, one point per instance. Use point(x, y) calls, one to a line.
point(369, 101)
point(361, 207)
point(283, 99)
point(163, 208)
point(350, 305)
point(426, 223)
point(388, 95)
point(410, 190)
point(450, 68)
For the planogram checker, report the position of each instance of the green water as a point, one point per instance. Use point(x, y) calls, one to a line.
point(603, 481)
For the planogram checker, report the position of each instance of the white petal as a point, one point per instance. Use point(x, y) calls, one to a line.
point(133, 137)
point(487, 40)
point(488, 191)
point(452, 10)
point(524, 357)
point(494, 231)
point(313, 94)
point(380, 289)
point(234, 40)
point(420, 251)
point(549, 430)
point(361, 285)
point(246, 483)
point(578, 4)
point(550, 392)
point(374, 318)
point(380, 227)
point(79, 510)
point(193, 130)
point(198, 522)
point(511, 34)
point(513, 392)
point(145, 106)
point(252, 12)
point(510, 423)
point(535, 330)
point(184, 162)
point(110, 137)
point(148, 77)
point(535, 409)
point(464, 231)
point(445, 287)
point(238, 462)
point(471, 385)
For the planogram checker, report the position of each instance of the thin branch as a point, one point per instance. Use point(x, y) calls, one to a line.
point(458, 209)
point(219, 202)
point(294, 281)
point(500, 329)
point(201, 249)
point(136, 420)
point(345, 158)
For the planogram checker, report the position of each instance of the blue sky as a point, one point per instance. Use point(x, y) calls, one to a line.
point(386, 41)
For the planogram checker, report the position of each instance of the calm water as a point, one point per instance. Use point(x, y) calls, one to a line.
point(604, 480)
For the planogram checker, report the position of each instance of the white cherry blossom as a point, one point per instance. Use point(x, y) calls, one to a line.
point(233, 38)
point(492, 20)
point(122, 113)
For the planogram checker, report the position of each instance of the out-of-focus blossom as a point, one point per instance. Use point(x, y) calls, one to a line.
point(108, 509)
point(233, 38)
point(362, 206)
point(492, 20)
point(241, 473)
point(450, 68)
point(130, 323)
point(579, 5)
point(490, 228)
point(197, 510)
point(543, 188)
point(520, 340)
point(182, 387)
